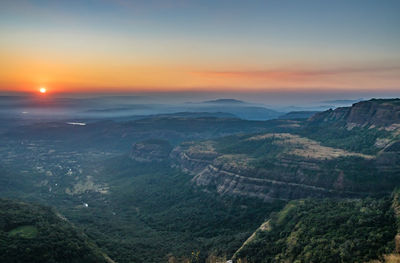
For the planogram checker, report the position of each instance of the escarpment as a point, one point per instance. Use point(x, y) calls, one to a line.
point(326, 158)
point(286, 174)
point(379, 113)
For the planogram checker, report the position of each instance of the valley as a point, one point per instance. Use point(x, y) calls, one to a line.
point(188, 189)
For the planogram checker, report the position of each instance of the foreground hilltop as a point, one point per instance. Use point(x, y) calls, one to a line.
point(34, 233)
point(328, 231)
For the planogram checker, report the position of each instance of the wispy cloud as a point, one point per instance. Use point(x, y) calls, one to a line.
point(295, 74)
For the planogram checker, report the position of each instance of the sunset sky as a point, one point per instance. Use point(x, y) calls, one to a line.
point(121, 45)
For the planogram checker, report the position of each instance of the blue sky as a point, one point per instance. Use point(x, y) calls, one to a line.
point(192, 45)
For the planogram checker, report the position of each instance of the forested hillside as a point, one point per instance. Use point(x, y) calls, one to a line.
point(37, 234)
point(325, 231)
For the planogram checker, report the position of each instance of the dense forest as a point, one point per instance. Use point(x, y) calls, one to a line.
point(33, 233)
point(325, 231)
point(160, 214)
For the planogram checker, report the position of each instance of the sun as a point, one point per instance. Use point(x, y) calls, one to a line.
point(42, 90)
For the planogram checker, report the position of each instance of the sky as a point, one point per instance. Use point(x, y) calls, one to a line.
point(233, 46)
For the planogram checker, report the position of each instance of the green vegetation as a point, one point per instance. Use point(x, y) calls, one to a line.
point(337, 135)
point(153, 212)
point(33, 233)
point(325, 231)
point(387, 101)
point(24, 232)
point(331, 168)
point(396, 208)
point(239, 144)
point(356, 128)
point(141, 207)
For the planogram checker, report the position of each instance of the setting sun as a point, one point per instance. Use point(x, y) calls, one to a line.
point(42, 90)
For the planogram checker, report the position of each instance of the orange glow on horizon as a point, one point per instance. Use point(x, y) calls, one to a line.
point(65, 78)
point(236, 47)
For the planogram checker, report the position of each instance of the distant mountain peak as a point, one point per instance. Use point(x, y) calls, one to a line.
point(227, 101)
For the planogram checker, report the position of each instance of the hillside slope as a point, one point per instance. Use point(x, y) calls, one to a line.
point(324, 231)
point(33, 233)
point(367, 126)
point(372, 113)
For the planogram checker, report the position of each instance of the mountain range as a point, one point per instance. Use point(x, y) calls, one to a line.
point(207, 188)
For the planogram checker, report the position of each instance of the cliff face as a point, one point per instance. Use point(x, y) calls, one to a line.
point(291, 167)
point(338, 161)
point(373, 113)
